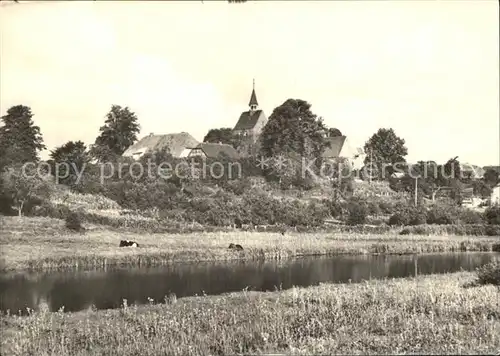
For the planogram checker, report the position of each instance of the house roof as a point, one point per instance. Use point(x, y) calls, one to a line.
point(176, 142)
point(335, 146)
point(476, 171)
point(213, 150)
point(248, 120)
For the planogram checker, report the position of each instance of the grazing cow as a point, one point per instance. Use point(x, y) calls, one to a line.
point(235, 247)
point(128, 243)
point(237, 223)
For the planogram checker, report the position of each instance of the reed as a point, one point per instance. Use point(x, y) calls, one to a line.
point(432, 314)
point(42, 243)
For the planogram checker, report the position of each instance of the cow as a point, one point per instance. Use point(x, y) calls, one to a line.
point(128, 243)
point(237, 223)
point(235, 247)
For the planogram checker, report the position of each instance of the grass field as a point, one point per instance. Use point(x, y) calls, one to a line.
point(44, 243)
point(433, 314)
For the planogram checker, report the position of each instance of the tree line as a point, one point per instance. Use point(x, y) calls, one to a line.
point(293, 131)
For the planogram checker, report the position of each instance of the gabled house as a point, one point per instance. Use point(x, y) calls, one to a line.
point(213, 150)
point(177, 144)
point(339, 147)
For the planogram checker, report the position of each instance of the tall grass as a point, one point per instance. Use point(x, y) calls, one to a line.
point(432, 314)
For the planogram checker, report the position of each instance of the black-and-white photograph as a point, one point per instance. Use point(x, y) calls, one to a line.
point(249, 177)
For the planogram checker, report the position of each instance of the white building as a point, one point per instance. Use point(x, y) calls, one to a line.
point(495, 195)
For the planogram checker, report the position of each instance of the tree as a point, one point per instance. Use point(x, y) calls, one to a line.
point(385, 148)
point(20, 138)
point(71, 158)
point(21, 185)
point(333, 132)
point(222, 135)
point(491, 177)
point(293, 128)
point(118, 133)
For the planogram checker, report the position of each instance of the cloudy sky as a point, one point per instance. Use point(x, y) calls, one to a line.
point(428, 69)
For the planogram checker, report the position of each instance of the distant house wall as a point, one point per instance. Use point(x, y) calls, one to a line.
point(495, 196)
point(197, 152)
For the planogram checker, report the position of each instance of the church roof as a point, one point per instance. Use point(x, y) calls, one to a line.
point(248, 120)
point(253, 99)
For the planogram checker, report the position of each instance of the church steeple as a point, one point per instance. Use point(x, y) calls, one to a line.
point(253, 99)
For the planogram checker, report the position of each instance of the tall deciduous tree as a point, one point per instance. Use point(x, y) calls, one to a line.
point(20, 139)
point(118, 133)
point(222, 135)
point(333, 132)
point(74, 156)
point(385, 148)
point(293, 128)
point(491, 177)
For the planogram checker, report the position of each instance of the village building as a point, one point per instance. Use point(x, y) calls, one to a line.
point(249, 126)
point(213, 150)
point(495, 195)
point(340, 147)
point(178, 144)
point(470, 171)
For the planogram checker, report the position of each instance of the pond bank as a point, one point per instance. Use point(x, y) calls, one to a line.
point(431, 314)
point(43, 244)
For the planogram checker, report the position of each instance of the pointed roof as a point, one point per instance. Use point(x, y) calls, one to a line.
point(253, 99)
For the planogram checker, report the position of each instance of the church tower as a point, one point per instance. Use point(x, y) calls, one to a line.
point(253, 99)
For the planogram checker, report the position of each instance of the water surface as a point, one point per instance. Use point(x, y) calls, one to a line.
point(79, 290)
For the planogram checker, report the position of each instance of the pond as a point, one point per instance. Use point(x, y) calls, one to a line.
point(78, 290)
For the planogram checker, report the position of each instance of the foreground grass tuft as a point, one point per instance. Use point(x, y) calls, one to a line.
point(432, 314)
point(489, 274)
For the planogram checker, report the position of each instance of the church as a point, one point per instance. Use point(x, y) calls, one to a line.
point(249, 126)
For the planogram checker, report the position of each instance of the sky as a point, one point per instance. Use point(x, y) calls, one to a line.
point(427, 69)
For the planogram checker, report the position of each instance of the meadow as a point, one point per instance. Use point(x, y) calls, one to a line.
point(436, 314)
point(34, 243)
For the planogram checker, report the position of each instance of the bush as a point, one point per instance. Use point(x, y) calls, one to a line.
point(55, 211)
point(73, 221)
point(489, 274)
point(357, 213)
point(492, 215)
point(443, 214)
point(408, 215)
point(471, 217)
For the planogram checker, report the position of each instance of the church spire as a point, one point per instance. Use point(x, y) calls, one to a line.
point(253, 99)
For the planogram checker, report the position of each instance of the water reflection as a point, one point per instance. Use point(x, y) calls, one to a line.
point(107, 289)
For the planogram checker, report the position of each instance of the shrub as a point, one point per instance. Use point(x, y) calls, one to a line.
point(468, 216)
point(238, 186)
point(408, 215)
point(443, 214)
point(489, 274)
point(73, 221)
point(357, 213)
point(492, 215)
point(55, 211)
point(373, 208)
